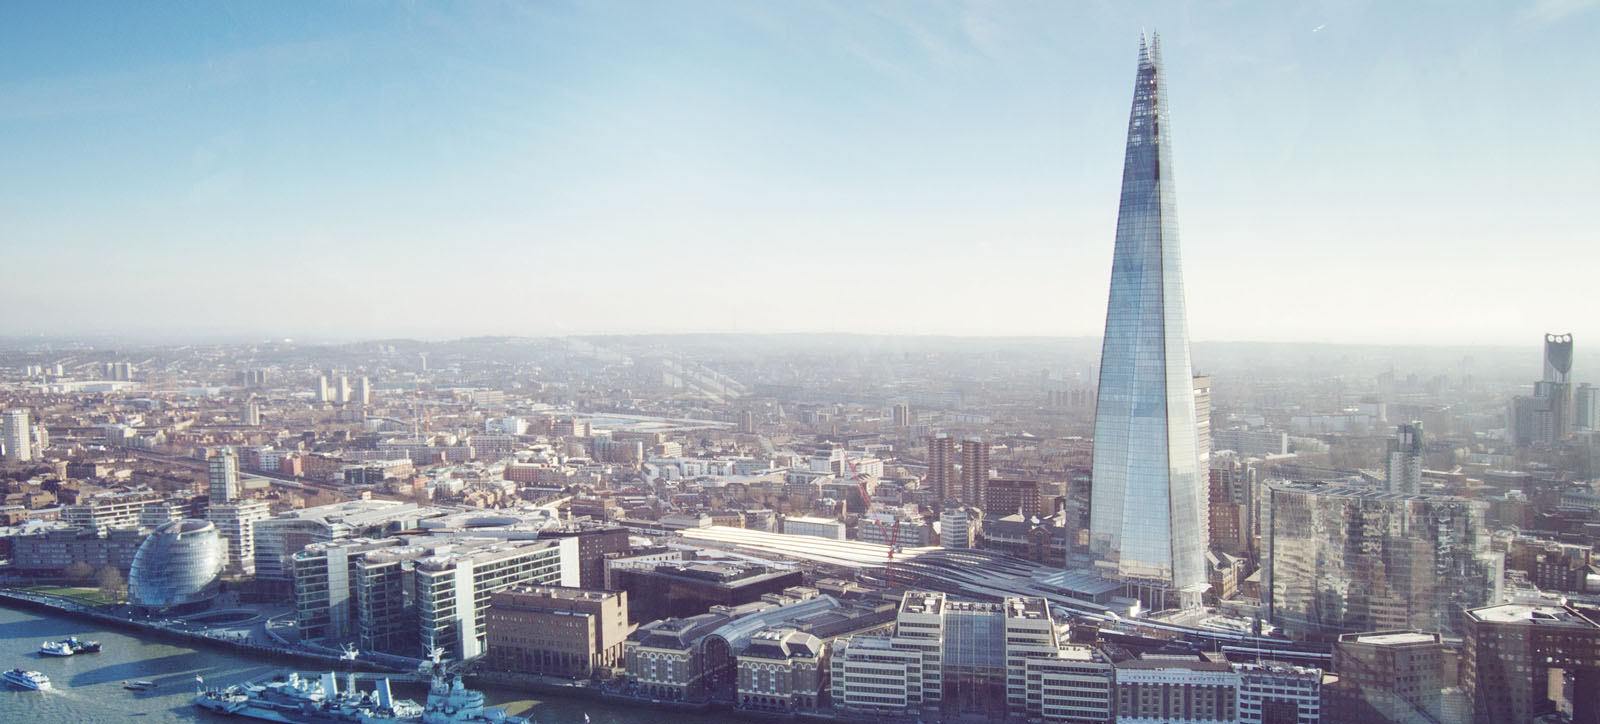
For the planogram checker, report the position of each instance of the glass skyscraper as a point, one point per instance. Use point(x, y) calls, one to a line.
point(1147, 519)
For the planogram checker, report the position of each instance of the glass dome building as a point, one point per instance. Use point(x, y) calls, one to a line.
point(179, 567)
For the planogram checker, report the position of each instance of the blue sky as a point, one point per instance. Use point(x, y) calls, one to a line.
point(1350, 171)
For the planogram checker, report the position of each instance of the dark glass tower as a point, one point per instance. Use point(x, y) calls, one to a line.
point(1147, 518)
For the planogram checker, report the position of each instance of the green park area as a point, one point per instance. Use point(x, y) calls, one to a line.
point(92, 596)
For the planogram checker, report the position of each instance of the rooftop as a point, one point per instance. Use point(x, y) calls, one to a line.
point(847, 553)
point(1391, 638)
point(1519, 613)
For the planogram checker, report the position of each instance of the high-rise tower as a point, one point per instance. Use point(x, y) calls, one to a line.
point(1147, 519)
point(223, 469)
point(1558, 358)
point(942, 467)
point(18, 436)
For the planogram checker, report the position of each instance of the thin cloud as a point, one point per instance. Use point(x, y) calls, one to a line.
point(1545, 12)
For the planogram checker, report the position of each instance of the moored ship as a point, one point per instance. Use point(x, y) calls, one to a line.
point(294, 699)
point(69, 646)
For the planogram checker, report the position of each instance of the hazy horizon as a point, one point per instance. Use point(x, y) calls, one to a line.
point(1365, 174)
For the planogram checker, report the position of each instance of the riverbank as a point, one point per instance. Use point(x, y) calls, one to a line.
point(62, 606)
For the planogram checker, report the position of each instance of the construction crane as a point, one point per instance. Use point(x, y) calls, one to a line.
point(893, 532)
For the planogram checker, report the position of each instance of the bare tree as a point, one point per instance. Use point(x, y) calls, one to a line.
point(78, 572)
point(112, 587)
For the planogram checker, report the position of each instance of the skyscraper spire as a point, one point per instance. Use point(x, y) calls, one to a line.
point(1148, 514)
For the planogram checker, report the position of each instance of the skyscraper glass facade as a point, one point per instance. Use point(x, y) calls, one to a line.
point(1147, 517)
point(1340, 559)
point(178, 566)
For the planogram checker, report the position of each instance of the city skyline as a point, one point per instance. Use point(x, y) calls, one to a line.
point(274, 172)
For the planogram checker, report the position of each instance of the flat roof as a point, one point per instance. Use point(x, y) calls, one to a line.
point(1520, 613)
point(1396, 638)
point(848, 553)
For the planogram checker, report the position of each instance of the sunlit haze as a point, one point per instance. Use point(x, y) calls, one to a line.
point(1354, 172)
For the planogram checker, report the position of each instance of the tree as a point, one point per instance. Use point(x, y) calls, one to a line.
point(112, 587)
point(78, 572)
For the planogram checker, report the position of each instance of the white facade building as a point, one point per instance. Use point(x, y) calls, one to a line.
point(819, 527)
point(18, 436)
point(236, 522)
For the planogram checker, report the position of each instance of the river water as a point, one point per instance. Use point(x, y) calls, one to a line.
point(88, 687)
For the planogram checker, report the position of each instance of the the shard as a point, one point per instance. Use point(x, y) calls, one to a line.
point(1147, 518)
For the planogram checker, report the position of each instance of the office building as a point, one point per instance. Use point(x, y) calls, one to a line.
point(1156, 689)
point(871, 675)
point(1520, 661)
point(454, 586)
point(223, 476)
point(278, 538)
point(1072, 685)
point(385, 584)
point(326, 584)
point(1275, 693)
point(967, 656)
point(236, 523)
point(1147, 519)
point(1405, 459)
point(959, 526)
point(556, 631)
point(18, 436)
point(177, 568)
point(941, 477)
point(1341, 559)
point(1388, 676)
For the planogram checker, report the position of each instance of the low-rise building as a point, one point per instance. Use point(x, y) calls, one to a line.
point(781, 670)
point(557, 631)
point(819, 527)
point(1157, 689)
point(1517, 659)
point(1072, 685)
point(869, 674)
point(50, 549)
point(1392, 676)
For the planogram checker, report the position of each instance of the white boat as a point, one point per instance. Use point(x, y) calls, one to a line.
point(69, 646)
point(26, 679)
point(56, 648)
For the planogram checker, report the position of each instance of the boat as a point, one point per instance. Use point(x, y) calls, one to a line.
point(69, 646)
point(26, 679)
point(140, 685)
point(293, 699)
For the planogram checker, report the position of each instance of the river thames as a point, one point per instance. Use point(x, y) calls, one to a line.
point(88, 687)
